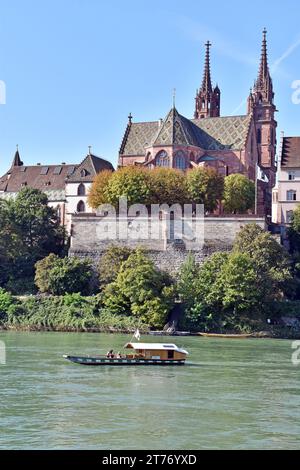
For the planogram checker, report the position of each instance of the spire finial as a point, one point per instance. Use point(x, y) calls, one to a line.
point(206, 83)
point(90, 148)
point(130, 118)
point(174, 97)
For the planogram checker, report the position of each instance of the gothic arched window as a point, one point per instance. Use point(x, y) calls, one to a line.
point(180, 160)
point(258, 136)
point(81, 206)
point(83, 173)
point(81, 190)
point(162, 159)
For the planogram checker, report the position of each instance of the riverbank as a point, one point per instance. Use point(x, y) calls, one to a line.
point(275, 333)
point(75, 313)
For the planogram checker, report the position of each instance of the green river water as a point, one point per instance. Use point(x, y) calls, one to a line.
point(231, 394)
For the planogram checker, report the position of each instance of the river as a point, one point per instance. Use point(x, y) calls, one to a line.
point(231, 394)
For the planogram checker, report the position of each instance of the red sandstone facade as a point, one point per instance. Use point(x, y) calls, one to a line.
point(232, 144)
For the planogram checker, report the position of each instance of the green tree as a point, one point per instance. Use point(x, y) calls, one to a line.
point(6, 304)
point(239, 194)
point(29, 231)
point(186, 281)
point(202, 300)
point(42, 272)
point(110, 263)
point(168, 186)
point(205, 186)
point(272, 262)
point(140, 290)
point(131, 182)
point(294, 237)
point(59, 276)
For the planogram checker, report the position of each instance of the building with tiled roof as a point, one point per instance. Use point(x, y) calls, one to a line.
point(231, 144)
point(286, 194)
point(66, 186)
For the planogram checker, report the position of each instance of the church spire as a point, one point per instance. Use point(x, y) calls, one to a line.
point(207, 98)
point(264, 84)
point(206, 82)
point(17, 160)
point(261, 105)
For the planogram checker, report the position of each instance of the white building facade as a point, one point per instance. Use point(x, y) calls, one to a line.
point(286, 194)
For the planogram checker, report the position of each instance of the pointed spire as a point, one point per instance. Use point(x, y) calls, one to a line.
point(263, 70)
point(17, 160)
point(206, 82)
point(207, 98)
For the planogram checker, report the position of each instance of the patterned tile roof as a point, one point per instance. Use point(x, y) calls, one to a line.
point(290, 157)
point(138, 136)
point(175, 130)
point(218, 133)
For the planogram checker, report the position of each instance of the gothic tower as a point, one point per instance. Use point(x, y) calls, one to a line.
point(207, 98)
point(261, 104)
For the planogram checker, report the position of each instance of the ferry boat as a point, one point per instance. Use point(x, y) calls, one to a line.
point(143, 354)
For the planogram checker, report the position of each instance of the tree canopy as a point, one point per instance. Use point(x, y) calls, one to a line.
point(29, 231)
point(205, 186)
point(239, 194)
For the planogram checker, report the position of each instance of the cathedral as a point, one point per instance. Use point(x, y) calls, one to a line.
point(231, 144)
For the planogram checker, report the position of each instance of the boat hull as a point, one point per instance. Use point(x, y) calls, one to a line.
point(100, 361)
point(229, 336)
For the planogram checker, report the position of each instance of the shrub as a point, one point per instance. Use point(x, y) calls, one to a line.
point(59, 276)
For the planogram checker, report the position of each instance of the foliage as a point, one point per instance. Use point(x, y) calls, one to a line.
point(6, 304)
point(110, 263)
point(140, 290)
point(97, 193)
point(186, 279)
point(205, 186)
point(168, 186)
point(239, 194)
point(294, 237)
point(59, 276)
point(236, 290)
point(131, 182)
point(71, 312)
point(272, 262)
point(29, 231)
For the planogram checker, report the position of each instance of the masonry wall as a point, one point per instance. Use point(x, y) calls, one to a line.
point(167, 253)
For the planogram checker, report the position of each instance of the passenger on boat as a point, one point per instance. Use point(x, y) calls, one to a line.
point(119, 355)
point(110, 354)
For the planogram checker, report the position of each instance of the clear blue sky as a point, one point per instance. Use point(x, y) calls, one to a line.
point(74, 69)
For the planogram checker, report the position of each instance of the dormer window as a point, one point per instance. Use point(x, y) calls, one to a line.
point(83, 173)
